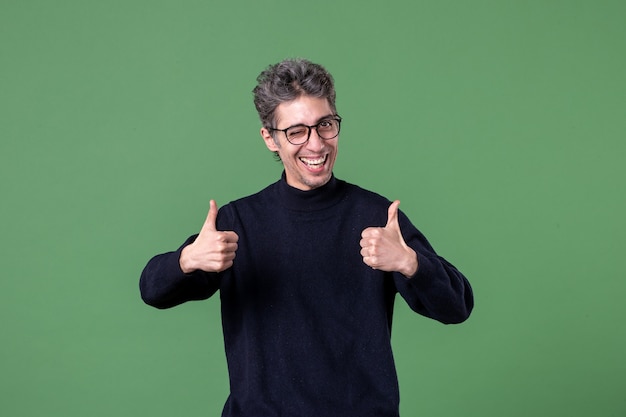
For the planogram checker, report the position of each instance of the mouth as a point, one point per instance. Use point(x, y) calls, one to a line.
point(314, 163)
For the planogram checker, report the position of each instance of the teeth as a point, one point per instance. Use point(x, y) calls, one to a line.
point(314, 162)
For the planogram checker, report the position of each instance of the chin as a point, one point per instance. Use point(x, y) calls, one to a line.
point(317, 182)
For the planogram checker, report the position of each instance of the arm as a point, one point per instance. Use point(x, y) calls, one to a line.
point(193, 271)
point(430, 285)
point(163, 284)
point(437, 290)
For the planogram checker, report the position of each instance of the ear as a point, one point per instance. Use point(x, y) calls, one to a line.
point(269, 140)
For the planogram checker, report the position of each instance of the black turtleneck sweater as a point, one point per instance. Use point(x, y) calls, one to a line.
point(307, 324)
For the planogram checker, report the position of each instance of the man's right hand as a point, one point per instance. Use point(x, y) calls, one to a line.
point(212, 251)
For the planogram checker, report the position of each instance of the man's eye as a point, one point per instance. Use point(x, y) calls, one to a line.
point(296, 131)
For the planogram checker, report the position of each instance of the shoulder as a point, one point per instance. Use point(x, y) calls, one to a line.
point(253, 199)
point(364, 195)
point(250, 205)
point(365, 205)
point(373, 206)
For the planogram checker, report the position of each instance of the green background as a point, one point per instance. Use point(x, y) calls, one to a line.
point(498, 124)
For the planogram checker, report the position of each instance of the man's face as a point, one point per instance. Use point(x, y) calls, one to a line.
point(309, 165)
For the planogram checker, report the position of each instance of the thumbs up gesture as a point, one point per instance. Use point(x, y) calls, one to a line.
point(384, 248)
point(213, 250)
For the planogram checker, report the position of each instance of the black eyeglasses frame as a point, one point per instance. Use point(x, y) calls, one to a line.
point(336, 118)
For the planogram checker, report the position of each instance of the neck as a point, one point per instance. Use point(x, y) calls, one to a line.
point(316, 199)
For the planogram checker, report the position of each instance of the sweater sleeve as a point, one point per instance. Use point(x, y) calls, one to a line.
point(163, 284)
point(437, 290)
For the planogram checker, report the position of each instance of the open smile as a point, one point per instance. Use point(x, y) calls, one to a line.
point(314, 163)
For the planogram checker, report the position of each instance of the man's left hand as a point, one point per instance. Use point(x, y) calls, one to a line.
point(384, 248)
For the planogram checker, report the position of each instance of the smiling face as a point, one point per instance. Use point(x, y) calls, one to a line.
point(309, 165)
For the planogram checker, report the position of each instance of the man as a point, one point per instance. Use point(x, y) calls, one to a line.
point(308, 270)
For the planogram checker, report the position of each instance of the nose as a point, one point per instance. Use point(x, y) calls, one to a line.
point(315, 143)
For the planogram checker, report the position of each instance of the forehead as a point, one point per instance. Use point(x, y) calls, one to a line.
point(303, 110)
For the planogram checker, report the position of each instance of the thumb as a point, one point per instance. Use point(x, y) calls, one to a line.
point(209, 223)
point(392, 215)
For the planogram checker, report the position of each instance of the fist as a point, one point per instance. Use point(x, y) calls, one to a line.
point(384, 248)
point(213, 250)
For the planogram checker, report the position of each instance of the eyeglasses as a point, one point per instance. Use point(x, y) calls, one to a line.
point(299, 134)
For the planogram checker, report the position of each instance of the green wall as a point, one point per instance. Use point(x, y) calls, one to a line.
point(499, 124)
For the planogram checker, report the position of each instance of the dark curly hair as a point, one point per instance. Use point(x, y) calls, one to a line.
point(288, 80)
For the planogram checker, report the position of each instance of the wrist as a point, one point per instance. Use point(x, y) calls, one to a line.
point(183, 261)
point(411, 266)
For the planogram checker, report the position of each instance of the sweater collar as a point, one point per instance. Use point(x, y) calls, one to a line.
point(320, 198)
